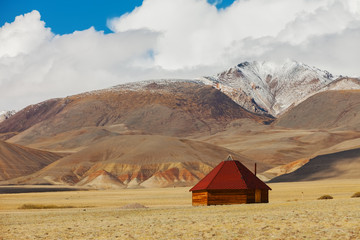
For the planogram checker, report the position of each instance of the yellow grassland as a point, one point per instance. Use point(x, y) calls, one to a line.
point(293, 213)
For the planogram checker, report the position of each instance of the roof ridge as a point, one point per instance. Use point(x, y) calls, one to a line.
point(222, 162)
point(256, 178)
point(215, 170)
point(237, 167)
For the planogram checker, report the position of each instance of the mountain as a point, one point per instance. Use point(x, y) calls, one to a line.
point(16, 161)
point(326, 110)
point(76, 140)
point(173, 108)
point(168, 133)
point(339, 165)
point(271, 88)
point(136, 161)
point(343, 146)
point(276, 145)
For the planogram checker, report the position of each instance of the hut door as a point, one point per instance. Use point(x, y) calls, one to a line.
point(257, 195)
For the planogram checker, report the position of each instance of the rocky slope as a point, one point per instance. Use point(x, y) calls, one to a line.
point(327, 110)
point(101, 180)
point(271, 88)
point(76, 140)
point(277, 146)
point(136, 161)
point(18, 161)
point(343, 146)
point(112, 136)
point(168, 108)
point(340, 165)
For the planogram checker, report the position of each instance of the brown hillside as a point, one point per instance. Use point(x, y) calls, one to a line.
point(326, 110)
point(340, 165)
point(18, 161)
point(285, 169)
point(32, 115)
point(291, 167)
point(138, 160)
point(101, 180)
point(75, 140)
point(274, 145)
point(174, 109)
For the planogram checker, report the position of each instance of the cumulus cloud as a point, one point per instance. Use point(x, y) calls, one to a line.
point(174, 39)
point(50, 66)
point(24, 35)
point(329, 19)
point(196, 33)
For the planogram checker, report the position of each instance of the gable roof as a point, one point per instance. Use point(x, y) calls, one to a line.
point(230, 175)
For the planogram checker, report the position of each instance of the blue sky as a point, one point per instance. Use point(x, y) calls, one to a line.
point(53, 48)
point(67, 16)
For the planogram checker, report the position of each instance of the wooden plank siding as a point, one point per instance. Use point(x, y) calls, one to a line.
point(257, 195)
point(199, 198)
point(250, 195)
point(223, 197)
point(264, 196)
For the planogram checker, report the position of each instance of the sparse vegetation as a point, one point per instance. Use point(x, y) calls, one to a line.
point(356, 195)
point(187, 222)
point(170, 214)
point(326, 196)
point(43, 206)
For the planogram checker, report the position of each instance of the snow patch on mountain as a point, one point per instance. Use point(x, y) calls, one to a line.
point(154, 85)
point(268, 87)
point(160, 85)
point(6, 114)
point(343, 83)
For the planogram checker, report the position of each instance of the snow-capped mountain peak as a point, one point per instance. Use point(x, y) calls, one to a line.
point(269, 87)
point(261, 86)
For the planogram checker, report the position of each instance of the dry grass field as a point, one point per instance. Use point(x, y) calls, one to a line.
point(293, 213)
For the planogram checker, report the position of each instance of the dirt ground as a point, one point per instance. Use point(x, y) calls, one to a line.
point(293, 213)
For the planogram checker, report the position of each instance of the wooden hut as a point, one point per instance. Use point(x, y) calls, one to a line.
point(230, 182)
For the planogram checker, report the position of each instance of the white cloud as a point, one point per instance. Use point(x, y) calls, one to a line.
point(24, 35)
point(327, 19)
point(195, 33)
point(39, 69)
point(338, 53)
point(174, 38)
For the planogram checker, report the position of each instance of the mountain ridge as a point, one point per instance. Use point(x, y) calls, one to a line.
point(335, 109)
point(136, 161)
point(269, 88)
point(178, 109)
point(237, 103)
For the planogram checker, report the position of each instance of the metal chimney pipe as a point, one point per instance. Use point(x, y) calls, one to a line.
point(255, 170)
